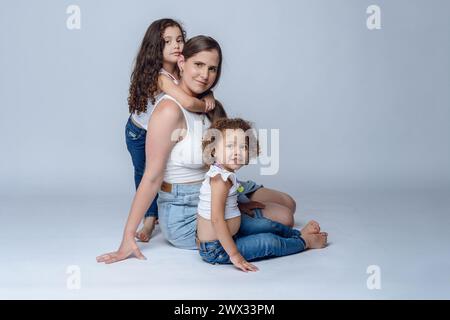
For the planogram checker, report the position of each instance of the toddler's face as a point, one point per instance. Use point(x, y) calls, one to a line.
point(231, 149)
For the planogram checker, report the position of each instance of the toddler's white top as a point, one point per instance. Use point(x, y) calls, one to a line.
point(204, 204)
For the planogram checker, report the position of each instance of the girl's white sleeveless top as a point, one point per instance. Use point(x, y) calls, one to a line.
point(185, 163)
point(231, 204)
point(143, 117)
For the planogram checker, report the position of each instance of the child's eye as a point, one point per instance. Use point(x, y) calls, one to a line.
point(213, 69)
point(180, 40)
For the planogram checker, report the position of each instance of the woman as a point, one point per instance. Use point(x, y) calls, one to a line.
point(178, 178)
point(200, 68)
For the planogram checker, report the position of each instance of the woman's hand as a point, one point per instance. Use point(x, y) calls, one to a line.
point(247, 207)
point(240, 263)
point(127, 248)
point(210, 102)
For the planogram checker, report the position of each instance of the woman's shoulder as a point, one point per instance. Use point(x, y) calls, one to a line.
point(165, 98)
point(167, 105)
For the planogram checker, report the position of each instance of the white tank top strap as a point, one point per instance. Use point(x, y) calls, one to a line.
point(164, 72)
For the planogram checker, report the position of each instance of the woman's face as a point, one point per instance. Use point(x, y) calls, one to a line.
point(199, 71)
point(173, 44)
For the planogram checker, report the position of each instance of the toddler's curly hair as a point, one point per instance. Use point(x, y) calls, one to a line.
point(223, 124)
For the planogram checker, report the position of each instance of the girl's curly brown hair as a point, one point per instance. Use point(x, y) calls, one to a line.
point(223, 124)
point(149, 61)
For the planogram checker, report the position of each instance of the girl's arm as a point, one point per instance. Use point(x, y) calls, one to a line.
point(166, 118)
point(210, 101)
point(219, 194)
point(192, 104)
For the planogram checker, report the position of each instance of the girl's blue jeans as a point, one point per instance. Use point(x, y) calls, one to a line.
point(135, 139)
point(257, 238)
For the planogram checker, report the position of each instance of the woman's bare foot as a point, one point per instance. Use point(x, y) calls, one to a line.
point(310, 228)
point(146, 232)
point(315, 241)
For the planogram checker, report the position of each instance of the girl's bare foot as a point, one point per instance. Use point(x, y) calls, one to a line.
point(315, 241)
point(310, 228)
point(146, 232)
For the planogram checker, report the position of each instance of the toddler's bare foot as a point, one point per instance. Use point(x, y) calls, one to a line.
point(315, 241)
point(310, 228)
point(145, 233)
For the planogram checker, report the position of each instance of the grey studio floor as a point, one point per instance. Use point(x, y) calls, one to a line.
point(403, 232)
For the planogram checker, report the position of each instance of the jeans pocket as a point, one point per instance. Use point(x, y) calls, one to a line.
point(209, 254)
point(175, 215)
point(165, 196)
point(221, 256)
point(207, 258)
point(132, 134)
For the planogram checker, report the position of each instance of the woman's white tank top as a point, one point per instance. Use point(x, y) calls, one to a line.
point(185, 163)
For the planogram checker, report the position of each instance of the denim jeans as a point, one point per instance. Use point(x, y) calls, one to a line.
point(178, 214)
point(257, 238)
point(135, 139)
point(249, 186)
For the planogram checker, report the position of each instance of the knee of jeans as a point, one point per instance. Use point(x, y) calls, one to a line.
point(270, 241)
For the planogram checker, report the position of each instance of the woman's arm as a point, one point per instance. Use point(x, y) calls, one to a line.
point(219, 194)
point(192, 104)
point(166, 118)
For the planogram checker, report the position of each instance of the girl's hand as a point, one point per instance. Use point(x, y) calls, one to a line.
point(247, 207)
point(240, 263)
point(127, 248)
point(210, 102)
